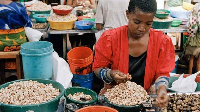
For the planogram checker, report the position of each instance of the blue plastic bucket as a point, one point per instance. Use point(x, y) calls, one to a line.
point(37, 59)
point(83, 80)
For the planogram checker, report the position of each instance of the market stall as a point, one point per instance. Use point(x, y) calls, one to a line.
point(46, 95)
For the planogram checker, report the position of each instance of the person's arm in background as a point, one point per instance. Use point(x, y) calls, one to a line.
point(70, 3)
point(99, 16)
point(92, 4)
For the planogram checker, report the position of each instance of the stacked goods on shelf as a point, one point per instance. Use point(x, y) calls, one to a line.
point(162, 19)
point(62, 19)
point(39, 8)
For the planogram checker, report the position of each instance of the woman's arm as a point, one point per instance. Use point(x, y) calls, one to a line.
point(92, 4)
point(107, 75)
point(70, 3)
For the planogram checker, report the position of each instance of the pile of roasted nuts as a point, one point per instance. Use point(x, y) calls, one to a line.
point(128, 94)
point(28, 92)
point(80, 96)
point(62, 7)
point(184, 103)
point(39, 25)
point(39, 6)
point(59, 18)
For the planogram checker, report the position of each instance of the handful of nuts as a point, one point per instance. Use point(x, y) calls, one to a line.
point(127, 94)
point(28, 92)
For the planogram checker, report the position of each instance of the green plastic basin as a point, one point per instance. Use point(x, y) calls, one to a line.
point(39, 12)
point(162, 13)
point(123, 108)
point(161, 24)
point(50, 106)
point(86, 91)
point(176, 23)
point(41, 18)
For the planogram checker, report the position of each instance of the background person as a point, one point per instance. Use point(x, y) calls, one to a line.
point(13, 19)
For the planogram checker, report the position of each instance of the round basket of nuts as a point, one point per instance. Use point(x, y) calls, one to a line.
point(126, 97)
point(80, 95)
point(30, 95)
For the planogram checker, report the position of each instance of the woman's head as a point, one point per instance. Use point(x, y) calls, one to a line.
point(140, 14)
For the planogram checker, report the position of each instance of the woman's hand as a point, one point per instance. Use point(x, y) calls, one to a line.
point(120, 77)
point(162, 97)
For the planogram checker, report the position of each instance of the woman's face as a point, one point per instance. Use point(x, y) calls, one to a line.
point(139, 22)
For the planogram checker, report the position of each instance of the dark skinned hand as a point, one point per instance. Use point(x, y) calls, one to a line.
point(120, 77)
point(162, 97)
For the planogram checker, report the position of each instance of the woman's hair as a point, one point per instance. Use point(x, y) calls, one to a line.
point(149, 6)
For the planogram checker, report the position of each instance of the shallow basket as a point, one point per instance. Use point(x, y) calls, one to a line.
point(50, 106)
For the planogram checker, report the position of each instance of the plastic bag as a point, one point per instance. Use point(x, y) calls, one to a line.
point(61, 71)
point(32, 34)
point(187, 84)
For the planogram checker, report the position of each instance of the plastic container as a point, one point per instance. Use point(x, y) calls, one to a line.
point(84, 25)
point(50, 106)
point(161, 24)
point(180, 14)
point(162, 13)
point(185, 37)
point(97, 109)
point(41, 18)
point(61, 12)
point(80, 60)
point(72, 90)
point(82, 17)
point(37, 59)
point(64, 25)
point(83, 80)
point(176, 23)
point(39, 12)
point(90, 19)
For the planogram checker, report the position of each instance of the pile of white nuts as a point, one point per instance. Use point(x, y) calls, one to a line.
point(80, 96)
point(59, 18)
point(127, 94)
point(28, 92)
point(39, 6)
point(62, 7)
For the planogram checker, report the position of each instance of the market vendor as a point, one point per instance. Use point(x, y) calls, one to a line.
point(82, 39)
point(136, 49)
point(86, 3)
point(13, 19)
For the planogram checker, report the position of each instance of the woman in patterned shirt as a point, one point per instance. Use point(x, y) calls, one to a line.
point(13, 19)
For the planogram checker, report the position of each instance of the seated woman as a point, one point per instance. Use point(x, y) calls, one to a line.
point(146, 54)
point(13, 19)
